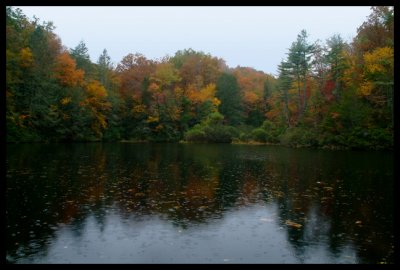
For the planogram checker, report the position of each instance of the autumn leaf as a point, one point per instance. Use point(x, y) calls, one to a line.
point(65, 101)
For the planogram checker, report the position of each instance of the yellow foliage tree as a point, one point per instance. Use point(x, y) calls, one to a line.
point(207, 93)
point(379, 63)
point(25, 57)
point(95, 89)
point(97, 103)
point(378, 75)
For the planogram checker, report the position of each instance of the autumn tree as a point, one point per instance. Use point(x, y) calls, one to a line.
point(66, 72)
point(98, 106)
point(377, 31)
point(134, 73)
point(164, 113)
point(254, 89)
point(197, 68)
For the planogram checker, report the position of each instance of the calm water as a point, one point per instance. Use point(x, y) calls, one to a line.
point(176, 203)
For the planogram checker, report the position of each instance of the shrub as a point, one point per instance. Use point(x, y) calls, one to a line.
point(218, 134)
point(376, 138)
point(211, 130)
point(244, 137)
point(259, 135)
point(300, 137)
point(195, 135)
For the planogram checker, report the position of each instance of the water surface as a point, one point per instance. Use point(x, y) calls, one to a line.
point(197, 203)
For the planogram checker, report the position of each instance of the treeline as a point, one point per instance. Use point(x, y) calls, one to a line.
point(327, 95)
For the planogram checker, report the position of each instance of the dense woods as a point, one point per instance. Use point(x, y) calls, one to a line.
point(330, 94)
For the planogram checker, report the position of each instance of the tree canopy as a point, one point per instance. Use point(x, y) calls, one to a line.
point(326, 94)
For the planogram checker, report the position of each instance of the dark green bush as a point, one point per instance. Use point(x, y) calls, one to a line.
point(195, 135)
point(259, 135)
point(218, 134)
point(211, 130)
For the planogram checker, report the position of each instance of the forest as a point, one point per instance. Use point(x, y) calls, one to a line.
point(327, 94)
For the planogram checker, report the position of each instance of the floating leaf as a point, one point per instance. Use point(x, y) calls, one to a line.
point(293, 224)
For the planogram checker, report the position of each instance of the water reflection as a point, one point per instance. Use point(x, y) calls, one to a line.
point(132, 203)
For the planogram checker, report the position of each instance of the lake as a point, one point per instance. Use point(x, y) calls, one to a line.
point(197, 203)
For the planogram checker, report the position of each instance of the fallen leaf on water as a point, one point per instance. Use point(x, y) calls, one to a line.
point(293, 224)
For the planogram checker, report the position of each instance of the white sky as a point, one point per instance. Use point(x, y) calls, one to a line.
point(256, 37)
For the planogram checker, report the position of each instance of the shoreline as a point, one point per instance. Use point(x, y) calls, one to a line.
point(251, 143)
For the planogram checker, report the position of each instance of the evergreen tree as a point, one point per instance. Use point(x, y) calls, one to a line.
point(228, 94)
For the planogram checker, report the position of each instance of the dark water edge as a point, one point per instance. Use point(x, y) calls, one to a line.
point(332, 147)
point(201, 203)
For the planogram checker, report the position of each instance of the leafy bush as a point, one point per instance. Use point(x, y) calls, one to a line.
point(214, 118)
point(377, 138)
point(300, 137)
point(218, 134)
point(273, 131)
point(259, 135)
point(244, 137)
point(233, 131)
point(195, 135)
point(211, 130)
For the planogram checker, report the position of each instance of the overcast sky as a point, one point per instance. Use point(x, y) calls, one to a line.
point(256, 37)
